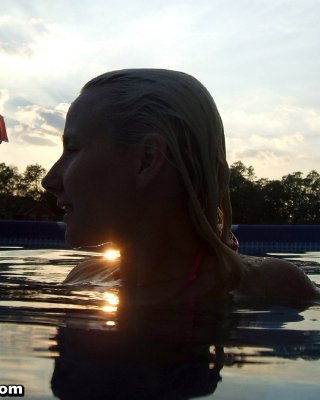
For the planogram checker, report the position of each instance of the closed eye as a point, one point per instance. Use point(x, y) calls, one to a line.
point(69, 144)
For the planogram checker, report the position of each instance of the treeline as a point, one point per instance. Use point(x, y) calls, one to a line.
point(12, 183)
point(293, 199)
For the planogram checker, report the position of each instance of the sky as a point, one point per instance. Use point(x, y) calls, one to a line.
point(260, 60)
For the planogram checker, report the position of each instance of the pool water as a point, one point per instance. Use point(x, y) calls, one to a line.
point(79, 343)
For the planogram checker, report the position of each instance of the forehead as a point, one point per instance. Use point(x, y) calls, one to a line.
point(89, 105)
point(88, 113)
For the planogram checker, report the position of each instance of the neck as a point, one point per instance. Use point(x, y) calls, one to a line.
point(160, 253)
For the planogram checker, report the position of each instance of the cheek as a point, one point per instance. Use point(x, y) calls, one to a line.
point(82, 176)
point(101, 193)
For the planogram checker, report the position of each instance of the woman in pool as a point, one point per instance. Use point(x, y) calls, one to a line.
point(144, 166)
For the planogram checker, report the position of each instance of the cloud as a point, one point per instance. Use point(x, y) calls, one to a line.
point(37, 125)
point(270, 157)
point(258, 150)
point(4, 97)
point(279, 127)
point(40, 117)
point(13, 103)
point(52, 118)
point(283, 136)
point(18, 36)
point(270, 121)
point(26, 135)
point(260, 61)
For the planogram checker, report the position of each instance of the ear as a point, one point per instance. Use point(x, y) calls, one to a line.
point(152, 157)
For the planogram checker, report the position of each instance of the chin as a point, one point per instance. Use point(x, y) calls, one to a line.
point(76, 239)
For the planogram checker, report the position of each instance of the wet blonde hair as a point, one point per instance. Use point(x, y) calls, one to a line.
point(178, 106)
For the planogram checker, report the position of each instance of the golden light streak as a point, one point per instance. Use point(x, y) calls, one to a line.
point(110, 309)
point(112, 301)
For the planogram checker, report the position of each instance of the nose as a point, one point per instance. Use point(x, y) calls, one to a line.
point(52, 182)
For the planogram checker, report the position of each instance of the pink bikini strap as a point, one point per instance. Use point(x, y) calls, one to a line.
point(196, 264)
point(234, 245)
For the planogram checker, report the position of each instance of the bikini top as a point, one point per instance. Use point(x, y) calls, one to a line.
point(192, 275)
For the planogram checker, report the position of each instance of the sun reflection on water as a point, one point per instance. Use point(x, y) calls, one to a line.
point(111, 298)
point(112, 254)
point(109, 309)
point(112, 301)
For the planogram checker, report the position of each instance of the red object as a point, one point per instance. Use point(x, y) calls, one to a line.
point(3, 131)
point(234, 245)
point(196, 264)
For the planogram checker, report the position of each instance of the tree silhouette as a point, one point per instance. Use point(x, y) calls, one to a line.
point(293, 199)
point(30, 182)
point(9, 178)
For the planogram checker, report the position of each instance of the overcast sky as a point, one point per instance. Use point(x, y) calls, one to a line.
point(260, 59)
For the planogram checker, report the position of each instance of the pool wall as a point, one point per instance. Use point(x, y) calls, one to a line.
point(253, 239)
point(32, 234)
point(261, 239)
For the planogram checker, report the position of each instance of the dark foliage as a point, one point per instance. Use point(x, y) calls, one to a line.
point(293, 199)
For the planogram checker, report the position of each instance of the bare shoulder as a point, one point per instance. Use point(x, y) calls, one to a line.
point(276, 278)
point(93, 270)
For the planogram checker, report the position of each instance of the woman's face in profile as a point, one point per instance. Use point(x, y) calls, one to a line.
point(93, 179)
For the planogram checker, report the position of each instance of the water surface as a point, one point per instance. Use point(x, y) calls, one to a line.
point(62, 342)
